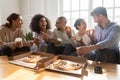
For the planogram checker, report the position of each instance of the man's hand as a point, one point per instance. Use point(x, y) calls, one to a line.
point(68, 31)
point(83, 50)
point(56, 41)
point(86, 49)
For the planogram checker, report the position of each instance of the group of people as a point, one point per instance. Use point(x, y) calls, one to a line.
point(99, 44)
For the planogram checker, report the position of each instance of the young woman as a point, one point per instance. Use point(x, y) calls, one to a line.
point(40, 26)
point(82, 37)
point(8, 34)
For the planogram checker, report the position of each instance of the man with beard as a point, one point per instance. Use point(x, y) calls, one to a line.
point(61, 37)
point(105, 39)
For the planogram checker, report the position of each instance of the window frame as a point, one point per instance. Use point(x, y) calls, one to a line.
point(90, 21)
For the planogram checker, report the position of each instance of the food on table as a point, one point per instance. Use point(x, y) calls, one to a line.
point(32, 58)
point(66, 65)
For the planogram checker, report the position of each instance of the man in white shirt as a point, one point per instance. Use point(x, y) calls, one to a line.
point(61, 36)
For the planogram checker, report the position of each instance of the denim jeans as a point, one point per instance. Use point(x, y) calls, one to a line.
point(52, 48)
point(104, 55)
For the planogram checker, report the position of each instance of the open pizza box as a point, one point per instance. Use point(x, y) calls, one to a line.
point(33, 60)
point(66, 64)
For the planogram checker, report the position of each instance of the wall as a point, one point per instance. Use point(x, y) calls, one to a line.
point(52, 11)
point(29, 8)
point(7, 7)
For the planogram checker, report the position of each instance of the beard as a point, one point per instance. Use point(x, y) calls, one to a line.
point(99, 22)
point(59, 29)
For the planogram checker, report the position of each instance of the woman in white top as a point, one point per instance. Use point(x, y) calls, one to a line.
point(82, 37)
point(40, 26)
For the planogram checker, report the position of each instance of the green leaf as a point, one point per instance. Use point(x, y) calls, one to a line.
point(29, 36)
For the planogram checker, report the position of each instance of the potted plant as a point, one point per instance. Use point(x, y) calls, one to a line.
point(29, 36)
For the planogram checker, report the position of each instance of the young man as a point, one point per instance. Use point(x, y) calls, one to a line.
point(106, 37)
point(61, 36)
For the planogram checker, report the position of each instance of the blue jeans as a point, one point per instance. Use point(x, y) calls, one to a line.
point(104, 55)
point(55, 49)
point(67, 49)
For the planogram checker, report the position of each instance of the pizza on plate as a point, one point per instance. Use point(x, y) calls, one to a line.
point(32, 58)
point(66, 65)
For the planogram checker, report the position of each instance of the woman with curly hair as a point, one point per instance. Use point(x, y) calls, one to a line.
point(40, 26)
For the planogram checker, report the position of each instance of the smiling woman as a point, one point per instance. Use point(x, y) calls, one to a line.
point(40, 26)
point(9, 32)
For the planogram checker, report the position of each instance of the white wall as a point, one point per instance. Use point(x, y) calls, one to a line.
point(52, 11)
point(7, 7)
point(28, 8)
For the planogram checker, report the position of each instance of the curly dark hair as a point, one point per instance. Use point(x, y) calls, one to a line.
point(34, 24)
point(10, 18)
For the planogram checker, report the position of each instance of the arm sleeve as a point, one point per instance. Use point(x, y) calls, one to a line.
point(112, 39)
point(3, 40)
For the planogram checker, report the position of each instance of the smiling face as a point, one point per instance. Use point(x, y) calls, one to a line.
point(60, 24)
point(18, 22)
point(98, 19)
point(43, 23)
point(82, 26)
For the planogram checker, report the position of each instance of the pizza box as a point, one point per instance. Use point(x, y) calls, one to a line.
point(76, 64)
point(20, 59)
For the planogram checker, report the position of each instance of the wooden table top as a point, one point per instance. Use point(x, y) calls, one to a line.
point(13, 72)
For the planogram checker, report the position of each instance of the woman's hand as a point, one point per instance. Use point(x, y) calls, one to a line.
point(91, 33)
point(19, 42)
point(36, 41)
point(45, 36)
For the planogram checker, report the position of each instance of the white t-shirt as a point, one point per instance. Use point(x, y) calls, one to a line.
point(85, 38)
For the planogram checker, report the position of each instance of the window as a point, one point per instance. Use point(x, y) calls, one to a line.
point(73, 9)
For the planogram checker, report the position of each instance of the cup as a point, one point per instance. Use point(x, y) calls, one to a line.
point(78, 54)
point(18, 42)
point(59, 39)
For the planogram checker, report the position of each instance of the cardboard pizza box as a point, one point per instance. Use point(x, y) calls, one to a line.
point(80, 61)
point(20, 59)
